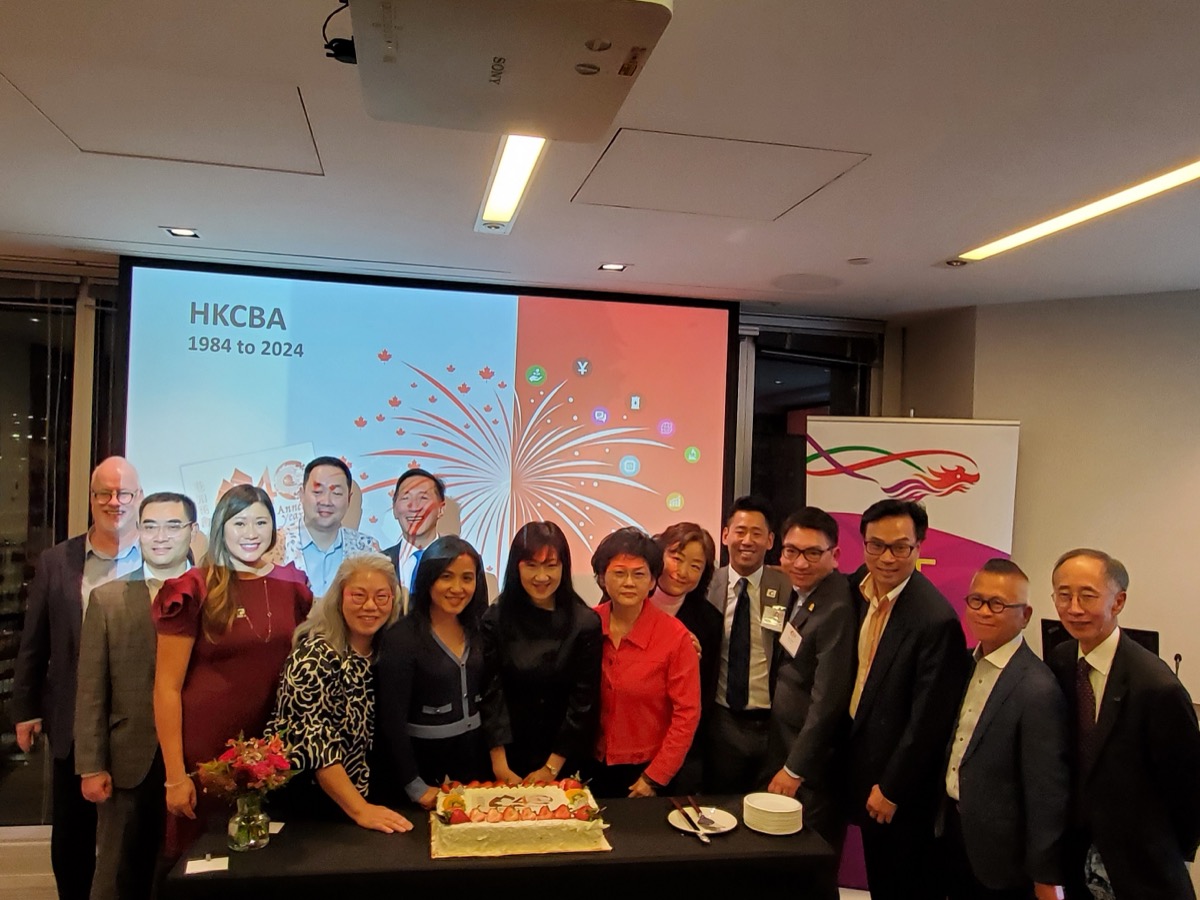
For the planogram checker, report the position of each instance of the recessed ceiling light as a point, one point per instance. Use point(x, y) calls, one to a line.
point(956, 263)
point(1091, 210)
point(515, 162)
point(613, 267)
point(181, 232)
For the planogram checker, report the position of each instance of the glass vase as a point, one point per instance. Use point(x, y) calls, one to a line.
point(249, 827)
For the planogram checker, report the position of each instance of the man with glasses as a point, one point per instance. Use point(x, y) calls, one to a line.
point(912, 663)
point(1135, 812)
point(318, 545)
point(44, 680)
point(1007, 776)
point(116, 747)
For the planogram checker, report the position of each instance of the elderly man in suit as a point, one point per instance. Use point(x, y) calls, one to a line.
point(116, 747)
point(44, 679)
point(912, 662)
point(1008, 772)
point(1135, 812)
point(753, 600)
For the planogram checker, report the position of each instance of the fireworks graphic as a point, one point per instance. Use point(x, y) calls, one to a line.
point(507, 465)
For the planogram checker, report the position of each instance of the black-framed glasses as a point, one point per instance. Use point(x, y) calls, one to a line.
point(122, 496)
point(812, 554)
point(995, 604)
point(900, 549)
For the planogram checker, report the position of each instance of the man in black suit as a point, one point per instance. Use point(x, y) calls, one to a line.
point(753, 602)
point(418, 503)
point(1008, 774)
point(911, 669)
point(44, 679)
point(812, 674)
point(1135, 813)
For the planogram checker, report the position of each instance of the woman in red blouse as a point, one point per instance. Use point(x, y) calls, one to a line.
point(224, 632)
point(650, 674)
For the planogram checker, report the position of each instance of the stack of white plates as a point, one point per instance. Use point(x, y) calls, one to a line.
point(773, 813)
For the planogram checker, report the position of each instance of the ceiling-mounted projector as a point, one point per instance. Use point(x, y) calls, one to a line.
point(558, 69)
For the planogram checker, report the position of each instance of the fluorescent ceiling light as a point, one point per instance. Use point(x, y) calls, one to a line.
point(613, 267)
point(1098, 208)
point(515, 162)
point(181, 232)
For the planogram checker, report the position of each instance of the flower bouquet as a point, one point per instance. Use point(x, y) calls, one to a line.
point(243, 774)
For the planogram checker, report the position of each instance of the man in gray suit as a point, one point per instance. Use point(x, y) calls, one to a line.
point(754, 601)
point(116, 748)
point(1008, 772)
point(44, 679)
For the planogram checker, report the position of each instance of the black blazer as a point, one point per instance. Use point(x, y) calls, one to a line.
point(811, 690)
point(542, 671)
point(908, 704)
point(46, 665)
point(1137, 798)
point(703, 620)
point(1014, 780)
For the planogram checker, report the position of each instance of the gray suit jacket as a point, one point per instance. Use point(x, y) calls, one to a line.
point(44, 679)
point(772, 580)
point(811, 690)
point(1014, 779)
point(114, 709)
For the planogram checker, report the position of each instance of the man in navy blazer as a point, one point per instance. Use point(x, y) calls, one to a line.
point(44, 679)
point(912, 660)
point(1135, 812)
point(1007, 775)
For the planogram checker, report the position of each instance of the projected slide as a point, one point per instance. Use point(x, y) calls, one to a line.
point(592, 414)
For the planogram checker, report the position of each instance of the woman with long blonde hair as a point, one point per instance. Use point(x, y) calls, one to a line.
point(224, 631)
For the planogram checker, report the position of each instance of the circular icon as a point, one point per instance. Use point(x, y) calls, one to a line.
point(675, 501)
point(535, 374)
point(666, 428)
point(692, 454)
point(600, 415)
point(629, 466)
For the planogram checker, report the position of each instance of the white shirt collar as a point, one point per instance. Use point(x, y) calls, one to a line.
point(753, 580)
point(1002, 655)
point(1101, 658)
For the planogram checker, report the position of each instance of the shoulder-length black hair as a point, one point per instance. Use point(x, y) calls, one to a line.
point(434, 561)
point(530, 541)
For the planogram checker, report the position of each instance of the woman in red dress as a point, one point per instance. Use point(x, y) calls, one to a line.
point(224, 633)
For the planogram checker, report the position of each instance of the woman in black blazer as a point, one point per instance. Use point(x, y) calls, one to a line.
point(542, 646)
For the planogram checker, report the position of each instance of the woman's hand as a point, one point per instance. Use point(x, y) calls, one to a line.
point(428, 800)
point(181, 798)
point(641, 788)
point(542, 774)
point(505, 775)
point(695, 642)
point(380, 818)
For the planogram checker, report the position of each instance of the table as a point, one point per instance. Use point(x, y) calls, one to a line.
point(326, 860)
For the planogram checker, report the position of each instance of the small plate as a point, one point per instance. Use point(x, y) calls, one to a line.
point(722, 821)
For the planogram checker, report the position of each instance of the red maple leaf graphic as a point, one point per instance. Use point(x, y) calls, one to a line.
point(424, 443)
point(373, 519)
point(383, 355)
point(362, 476)
point(394, 402)
point(464, 388)
point(360, 422)
point(433, 398)
point(412, 384)
point(450, 369)
point(488, 408)
point(343, 459)
point(502, 385)
point(486, 373)
point(378, 417)
point(413, 464)
point(400, 431)
point(466, 425)
point(495, 421)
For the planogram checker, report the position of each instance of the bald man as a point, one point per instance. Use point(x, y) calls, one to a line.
point(44, 682)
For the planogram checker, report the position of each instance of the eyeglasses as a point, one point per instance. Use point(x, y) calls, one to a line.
point(900, 550)
point(1087, 599)
point(123, 497)
point(622, 575)
point(360, 598)
point(995, 604)
point(812, 554)
point(172, 528)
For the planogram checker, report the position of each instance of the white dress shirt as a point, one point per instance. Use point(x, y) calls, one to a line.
point(1101, 660)
point(760, 669)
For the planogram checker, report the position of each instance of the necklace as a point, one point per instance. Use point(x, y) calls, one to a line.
point(244, 614)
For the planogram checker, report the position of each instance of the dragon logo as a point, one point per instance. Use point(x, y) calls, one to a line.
point(938, 474)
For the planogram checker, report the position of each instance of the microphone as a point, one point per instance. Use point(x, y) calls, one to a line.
point(1178, 660)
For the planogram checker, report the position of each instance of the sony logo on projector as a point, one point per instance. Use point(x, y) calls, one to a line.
point(237, 315)
point(497, 69)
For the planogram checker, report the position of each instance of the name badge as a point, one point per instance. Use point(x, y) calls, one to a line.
point(790, 639)
point(773, 618)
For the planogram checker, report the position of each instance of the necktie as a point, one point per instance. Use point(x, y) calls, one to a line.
point(412, 581)
point(1085, 708)
point(737, 683)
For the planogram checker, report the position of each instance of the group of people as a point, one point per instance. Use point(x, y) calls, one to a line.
point(970, 774)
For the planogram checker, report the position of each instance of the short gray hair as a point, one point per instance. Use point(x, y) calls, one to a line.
point(328, 621)
point(1114, 569)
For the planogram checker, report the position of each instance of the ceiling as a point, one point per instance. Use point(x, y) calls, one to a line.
point(965, 121)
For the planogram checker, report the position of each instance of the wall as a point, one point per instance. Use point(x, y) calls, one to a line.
point(938, 368)
point(1108, 395)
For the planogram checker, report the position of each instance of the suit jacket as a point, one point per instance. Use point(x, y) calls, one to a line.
point(908, 703)
point(772, 580)
point(44, 678)
point(1014, 780)
point(1137, 797)
point(114, 706)
point(810, 691)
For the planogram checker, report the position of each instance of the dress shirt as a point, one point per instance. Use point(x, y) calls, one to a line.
point(979, 688)
point(100, 568)
point(760, 666)
point(408, 557)
point(649, 694)
point(321, 565)
point(1101, 660)
point(867, 587)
